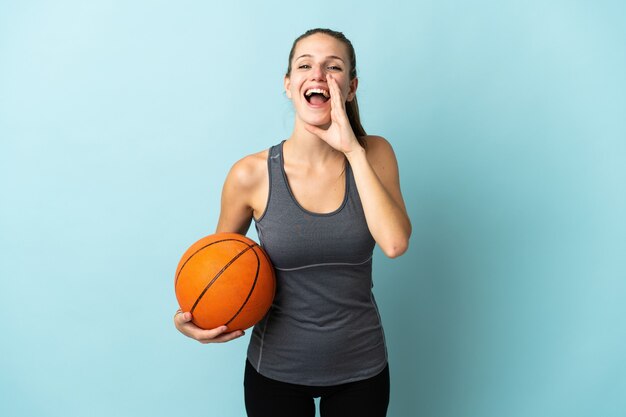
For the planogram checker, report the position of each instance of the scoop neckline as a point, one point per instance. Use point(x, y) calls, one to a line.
point(295, 200)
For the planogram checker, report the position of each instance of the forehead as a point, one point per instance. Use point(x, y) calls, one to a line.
point(321, 45)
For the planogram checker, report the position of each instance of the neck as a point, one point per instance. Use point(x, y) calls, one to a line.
point(305, 147)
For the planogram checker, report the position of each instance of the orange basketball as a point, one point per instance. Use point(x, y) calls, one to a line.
point(225, 279)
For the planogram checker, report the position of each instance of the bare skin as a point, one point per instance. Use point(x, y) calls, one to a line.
point(315, 156)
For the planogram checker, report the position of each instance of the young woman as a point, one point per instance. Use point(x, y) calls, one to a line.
point(320, 201)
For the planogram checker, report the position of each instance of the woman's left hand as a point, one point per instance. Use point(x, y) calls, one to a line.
point(339, 134)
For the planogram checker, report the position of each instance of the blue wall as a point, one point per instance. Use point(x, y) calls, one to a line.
point(119, 121)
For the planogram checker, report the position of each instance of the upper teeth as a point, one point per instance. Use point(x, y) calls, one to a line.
point(317, 90)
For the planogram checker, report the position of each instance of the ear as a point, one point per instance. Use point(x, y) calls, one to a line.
point(287, 83)
point(352, 90)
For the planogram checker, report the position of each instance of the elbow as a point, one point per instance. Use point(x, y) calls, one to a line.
point(397, 243)
point(396, 249)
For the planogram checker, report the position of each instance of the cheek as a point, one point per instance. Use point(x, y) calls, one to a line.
point(292, 90)
point(345, 89)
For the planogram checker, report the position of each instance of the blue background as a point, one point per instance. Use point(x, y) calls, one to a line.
point(120, 119)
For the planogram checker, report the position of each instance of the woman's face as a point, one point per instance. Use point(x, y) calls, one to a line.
point(314, 58)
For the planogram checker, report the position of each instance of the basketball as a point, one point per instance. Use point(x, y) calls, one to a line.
point(225, 279)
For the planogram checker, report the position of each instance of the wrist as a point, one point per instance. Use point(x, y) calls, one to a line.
point(357, 152)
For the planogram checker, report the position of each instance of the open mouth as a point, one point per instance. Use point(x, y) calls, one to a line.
point(316, 96)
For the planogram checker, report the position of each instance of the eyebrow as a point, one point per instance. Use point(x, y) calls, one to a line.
point(311, 56)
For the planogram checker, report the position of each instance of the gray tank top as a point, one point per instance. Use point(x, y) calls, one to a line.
point(323, 327)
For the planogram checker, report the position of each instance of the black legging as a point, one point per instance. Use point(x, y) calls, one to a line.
point(266, 397)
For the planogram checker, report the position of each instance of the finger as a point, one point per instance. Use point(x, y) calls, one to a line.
point(337, 104)
point(332, 85)
point(337, 100)
point(201, 334)
point(182, 317)
point(226, 337)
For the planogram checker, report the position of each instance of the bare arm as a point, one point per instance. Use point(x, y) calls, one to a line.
point(241, 186)
point(376, 176)
point(377, 179)
point(235, 212)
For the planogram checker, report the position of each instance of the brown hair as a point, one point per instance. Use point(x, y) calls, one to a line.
point(352, 107)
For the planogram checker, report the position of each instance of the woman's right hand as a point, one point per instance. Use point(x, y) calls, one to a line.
point(182, 321)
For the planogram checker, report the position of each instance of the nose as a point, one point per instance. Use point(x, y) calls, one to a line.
point(318, 73)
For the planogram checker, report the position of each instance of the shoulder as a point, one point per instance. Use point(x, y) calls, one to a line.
point(249, 171)
point(244, 183)
point(379, 151)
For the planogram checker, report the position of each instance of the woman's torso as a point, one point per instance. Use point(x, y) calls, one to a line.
point(323, 327)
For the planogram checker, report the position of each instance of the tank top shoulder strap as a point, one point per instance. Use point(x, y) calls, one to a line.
point(273, 159)
point(351, 190)
point(275, 169)
point(277, 188)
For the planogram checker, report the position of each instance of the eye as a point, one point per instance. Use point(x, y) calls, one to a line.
point(304, 66)
point(334, 68)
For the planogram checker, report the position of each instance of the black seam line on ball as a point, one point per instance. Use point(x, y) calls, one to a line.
point(202, 248)
point(256, 277)
point(219, 274)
